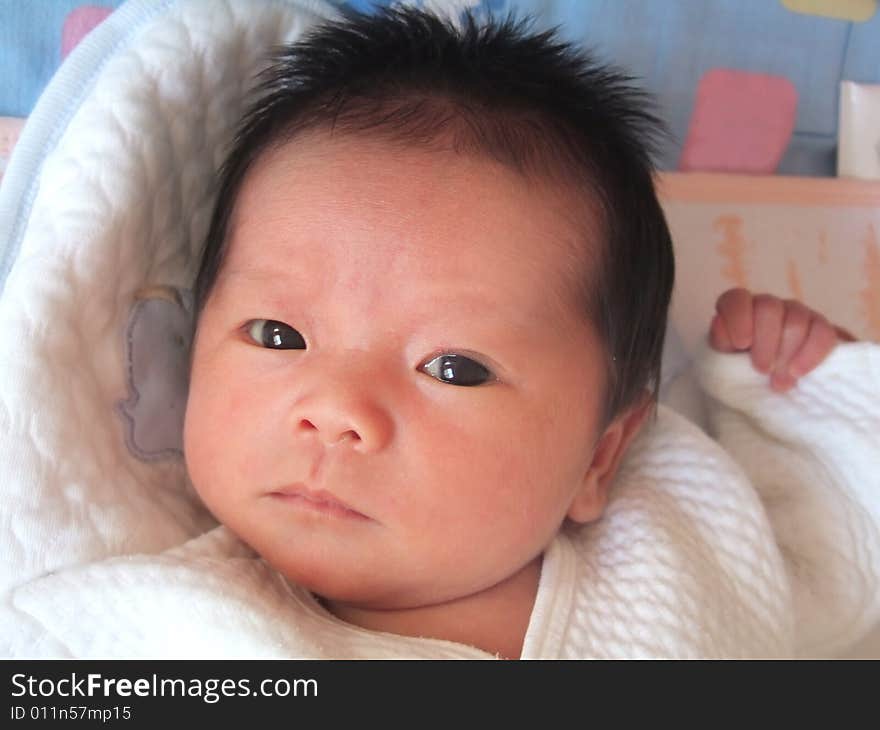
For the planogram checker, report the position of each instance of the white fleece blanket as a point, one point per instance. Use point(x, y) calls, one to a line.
point(104, 549)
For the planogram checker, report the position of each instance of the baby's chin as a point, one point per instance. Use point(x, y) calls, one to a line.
point(313, 565)
point(367, 589)
point(349, 574)
point(334, 586)
point(357, 585)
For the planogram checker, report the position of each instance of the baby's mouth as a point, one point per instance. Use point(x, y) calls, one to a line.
point(318, 500)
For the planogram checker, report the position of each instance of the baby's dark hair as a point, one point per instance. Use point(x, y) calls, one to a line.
point(499, 90)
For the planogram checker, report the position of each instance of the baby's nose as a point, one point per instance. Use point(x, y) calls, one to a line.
point(329, 432)
point(337, 414)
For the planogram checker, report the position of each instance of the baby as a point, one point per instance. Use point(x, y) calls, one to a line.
point(431, 311)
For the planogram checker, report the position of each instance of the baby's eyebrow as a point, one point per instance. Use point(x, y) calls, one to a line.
point(254, 273)
point(272, 286)
point(263, 282)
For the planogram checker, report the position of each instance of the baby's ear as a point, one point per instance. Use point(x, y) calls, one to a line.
point(592, 498)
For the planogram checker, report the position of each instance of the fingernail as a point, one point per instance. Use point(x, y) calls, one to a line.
point(782, 382)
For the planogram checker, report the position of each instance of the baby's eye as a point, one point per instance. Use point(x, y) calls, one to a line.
point(275, 335)
point(457, 370)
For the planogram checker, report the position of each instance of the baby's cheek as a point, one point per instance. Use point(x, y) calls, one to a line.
point(514, 473)
point(194, 452)
point(208, 475)
point(205, 438)
point(552, 461)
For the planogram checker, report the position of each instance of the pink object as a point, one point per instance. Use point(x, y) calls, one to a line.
point(78, 23)
point(10, 128)
point(741, 122)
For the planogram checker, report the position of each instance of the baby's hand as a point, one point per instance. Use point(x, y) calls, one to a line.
point(784, 337)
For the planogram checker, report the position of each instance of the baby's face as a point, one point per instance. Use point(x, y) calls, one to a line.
point(328, 424)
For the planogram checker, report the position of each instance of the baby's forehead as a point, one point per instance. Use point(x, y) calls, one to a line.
point(341, 182)
point(417, 241)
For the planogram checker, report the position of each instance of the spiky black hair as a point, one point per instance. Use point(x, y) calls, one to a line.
point(497, 89)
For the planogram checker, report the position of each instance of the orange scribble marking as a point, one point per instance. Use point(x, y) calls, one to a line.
point(794, 280)
point(870, 295)
point(732, 248)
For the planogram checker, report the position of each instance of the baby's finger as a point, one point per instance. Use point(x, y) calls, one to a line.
point(844, 335)
point(820, 341)
point(735, 308)
point(794, 333)
point(769, 314)
point(719, 337)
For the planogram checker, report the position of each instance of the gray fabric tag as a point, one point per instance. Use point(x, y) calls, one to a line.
point(158, 337)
